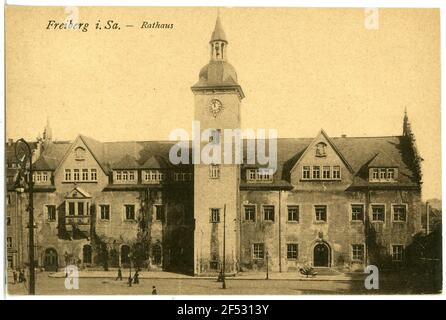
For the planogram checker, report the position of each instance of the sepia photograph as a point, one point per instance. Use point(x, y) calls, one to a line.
point(245, 151)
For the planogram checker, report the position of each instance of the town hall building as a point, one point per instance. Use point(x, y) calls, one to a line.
point(336, 202)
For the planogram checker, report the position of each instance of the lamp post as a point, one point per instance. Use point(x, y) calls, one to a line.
point(23, 154)
point(267, 265)
point(223, 285)
point(130, 270)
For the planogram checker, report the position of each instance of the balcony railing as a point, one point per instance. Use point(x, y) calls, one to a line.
point(79, 220)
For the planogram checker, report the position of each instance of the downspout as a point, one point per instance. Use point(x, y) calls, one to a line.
point(280, 231)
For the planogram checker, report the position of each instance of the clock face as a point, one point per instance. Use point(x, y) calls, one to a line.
point(215, 106)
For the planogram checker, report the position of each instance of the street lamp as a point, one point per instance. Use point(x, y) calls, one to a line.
point(223, 285)
point(267, 265)
point(23, 154)
point(130, 269)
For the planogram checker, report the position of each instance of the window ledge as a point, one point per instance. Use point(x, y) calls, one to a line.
point(67, 182)
point(320, 222)
point(357, 221)
point(293, 222)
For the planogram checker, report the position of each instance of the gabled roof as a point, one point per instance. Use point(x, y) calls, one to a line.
point(358, 152)
point(77, 193)
point(315, 140)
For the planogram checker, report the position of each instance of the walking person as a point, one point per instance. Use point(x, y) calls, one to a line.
point(136, 278)
point(119, 277)
point(129, 281)
point(14, 277)
point(154, 290)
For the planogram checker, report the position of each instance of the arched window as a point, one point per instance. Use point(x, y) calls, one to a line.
point(79, 153)
point(321, 149)
point(86, 254)
point(125, 254)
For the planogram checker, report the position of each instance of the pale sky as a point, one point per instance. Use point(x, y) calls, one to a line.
point(301, 70)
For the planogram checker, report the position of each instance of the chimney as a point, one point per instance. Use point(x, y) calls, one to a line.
point(344, 136)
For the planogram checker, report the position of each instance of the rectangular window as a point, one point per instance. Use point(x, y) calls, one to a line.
point(51, 212)
point(336, 172)
point(251, 174)
point(375, 174)
point(76, 175)
point(378, 213)
point(214, 137)
point(129, 211)
point(93, 175)
point(215, 215)
point(250, 213)
point(67, 174)
point(390, 174)
point(382, 174)
point(306, 172)
point(397, 252)
point(357, 212)
point(326, 172)
point(293, 213)
point(358, 252)
point(214, 171)
point(9, 242)
point(316, 172)
point(8, 221)
point(71, 208)
point(84, 174)
point(125, 175)
point(80, 208)
point(8, 199)
point(105, 211)
point(118, 175)
point(131, 175)
point(399, 213)
point(44, 176)
point(321, 213)
point(258, 251)
point(268, 213)
point(159, 212)
point(291, 251)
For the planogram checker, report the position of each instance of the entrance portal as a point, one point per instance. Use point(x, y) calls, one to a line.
point(321, 255)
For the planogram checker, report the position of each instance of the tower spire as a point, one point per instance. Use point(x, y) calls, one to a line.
point(218, 41)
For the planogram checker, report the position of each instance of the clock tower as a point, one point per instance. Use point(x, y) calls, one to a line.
point(216, 184)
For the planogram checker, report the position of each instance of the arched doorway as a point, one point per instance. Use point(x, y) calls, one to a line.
point(157, 255)
point(321, 255)
point(125, 254)
point(86, 254)
point(50, 260)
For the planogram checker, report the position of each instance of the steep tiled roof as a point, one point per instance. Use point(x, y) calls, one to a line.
point(359, 152)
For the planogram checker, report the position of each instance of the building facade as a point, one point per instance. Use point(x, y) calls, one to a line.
point(339, 202)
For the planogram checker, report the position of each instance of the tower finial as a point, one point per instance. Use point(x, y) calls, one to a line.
point(218, 41)
point(218, 34)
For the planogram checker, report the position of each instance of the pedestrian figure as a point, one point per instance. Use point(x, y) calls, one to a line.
point(14, 276)
point(119, 277)
point(136, 278)
point(154, 290)
point(22, 277)
point(130, 280)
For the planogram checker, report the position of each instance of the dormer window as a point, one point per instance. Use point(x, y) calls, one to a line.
point(383, 174)
point(152, 176)
point(79, 153)
point(259, 175)
point(321, 150)
point(125, 176)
